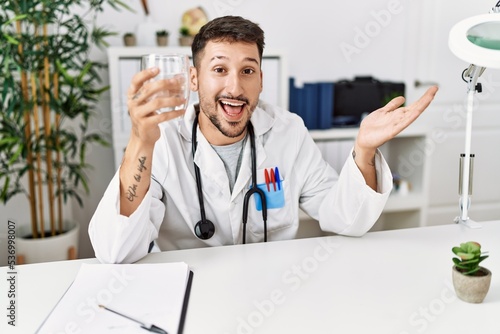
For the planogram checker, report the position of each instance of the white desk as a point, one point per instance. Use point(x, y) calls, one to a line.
point(392, 282)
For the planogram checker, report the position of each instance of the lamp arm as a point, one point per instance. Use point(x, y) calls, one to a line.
point(496, 8)
point(470, 75)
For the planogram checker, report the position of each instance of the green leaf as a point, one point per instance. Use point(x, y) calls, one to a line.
point(11, 39)
point(465, 256)
point(456, 250)
point(472, 271)
point(118, 3)
point(469, 262)
point(8, 140)
point(481, 258)
point(5, 188)
point(84, 72)
point(69, 79)
point(16, 155)
point(16, 18)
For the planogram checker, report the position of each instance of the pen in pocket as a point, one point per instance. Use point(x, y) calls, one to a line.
point(272, 177)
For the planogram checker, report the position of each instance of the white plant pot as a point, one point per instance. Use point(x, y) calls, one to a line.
point(53, 248)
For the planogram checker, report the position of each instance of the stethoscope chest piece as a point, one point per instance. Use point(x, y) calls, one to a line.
point(204, 229)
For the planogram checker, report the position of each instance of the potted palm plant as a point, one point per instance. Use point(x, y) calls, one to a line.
point(470, 280)
point(49, 92)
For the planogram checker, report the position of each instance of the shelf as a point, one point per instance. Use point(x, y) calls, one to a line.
point(351, 133)
point(334, 134)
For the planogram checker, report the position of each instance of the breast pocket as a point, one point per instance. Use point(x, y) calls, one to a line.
point(279, 209)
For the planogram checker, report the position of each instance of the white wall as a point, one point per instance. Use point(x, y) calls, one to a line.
point(312, 33)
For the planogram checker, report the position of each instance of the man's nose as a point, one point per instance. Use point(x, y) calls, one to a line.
point(234, 85)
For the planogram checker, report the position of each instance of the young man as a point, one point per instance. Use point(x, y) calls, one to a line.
point(236, 141)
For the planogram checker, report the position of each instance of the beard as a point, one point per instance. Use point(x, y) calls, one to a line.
point(227, 128)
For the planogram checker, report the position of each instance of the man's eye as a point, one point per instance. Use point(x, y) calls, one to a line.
point(248, 71)
point(219, 70)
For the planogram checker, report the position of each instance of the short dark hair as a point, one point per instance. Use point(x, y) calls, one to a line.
point(228, 29)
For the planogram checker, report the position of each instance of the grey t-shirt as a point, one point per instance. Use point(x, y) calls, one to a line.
point(231, 157)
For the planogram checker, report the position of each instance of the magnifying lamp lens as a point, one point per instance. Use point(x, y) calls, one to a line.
point(486, 35)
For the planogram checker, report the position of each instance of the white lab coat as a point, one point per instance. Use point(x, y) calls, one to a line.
point(343, 204)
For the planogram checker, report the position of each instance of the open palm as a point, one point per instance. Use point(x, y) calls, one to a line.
point(385, 123)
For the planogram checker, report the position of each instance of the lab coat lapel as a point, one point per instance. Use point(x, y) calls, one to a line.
point(185, 125)
point(245, 173)
point(212, 170)
point(261, 122)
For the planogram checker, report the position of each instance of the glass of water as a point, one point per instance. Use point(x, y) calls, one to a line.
point(170, 66)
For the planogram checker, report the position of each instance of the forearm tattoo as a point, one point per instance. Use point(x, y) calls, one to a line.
point(371, 163)
point(132, 189)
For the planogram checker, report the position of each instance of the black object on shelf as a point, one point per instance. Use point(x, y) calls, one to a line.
point(353, 99)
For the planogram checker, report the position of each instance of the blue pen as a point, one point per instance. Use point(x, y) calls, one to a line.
point(277, 176)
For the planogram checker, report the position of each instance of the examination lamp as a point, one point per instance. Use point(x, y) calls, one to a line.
point(475, 40)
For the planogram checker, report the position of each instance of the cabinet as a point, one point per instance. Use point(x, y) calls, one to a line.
point(407, 155)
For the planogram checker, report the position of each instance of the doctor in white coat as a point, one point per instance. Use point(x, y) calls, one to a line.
point(156, 195)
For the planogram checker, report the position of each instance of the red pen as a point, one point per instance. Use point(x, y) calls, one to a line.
point(266, 175)
point(273, 178)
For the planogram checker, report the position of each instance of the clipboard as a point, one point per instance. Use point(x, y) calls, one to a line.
point(185, 303)
point(152, 293)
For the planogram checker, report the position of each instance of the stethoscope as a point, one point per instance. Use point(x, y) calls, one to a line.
point(205, 229)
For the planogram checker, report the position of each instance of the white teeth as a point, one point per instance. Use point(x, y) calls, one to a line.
point(232, 104)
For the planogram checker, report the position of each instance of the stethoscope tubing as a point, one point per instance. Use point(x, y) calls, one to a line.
point(199, 227)
point(253, 189)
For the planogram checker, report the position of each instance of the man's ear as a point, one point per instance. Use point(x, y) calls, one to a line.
point(193, 79)
point(261, 81)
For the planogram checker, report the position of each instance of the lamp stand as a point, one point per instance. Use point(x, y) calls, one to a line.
point(476, 41)
point(470, 75)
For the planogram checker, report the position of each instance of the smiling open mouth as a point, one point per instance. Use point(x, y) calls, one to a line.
point(232, 108)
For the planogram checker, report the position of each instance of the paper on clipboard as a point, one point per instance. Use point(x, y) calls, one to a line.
point(155, 293)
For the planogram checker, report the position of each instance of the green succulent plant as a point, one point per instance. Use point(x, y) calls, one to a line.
point(162, 33)
point(468, 257)
point(184, 31)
